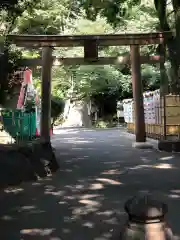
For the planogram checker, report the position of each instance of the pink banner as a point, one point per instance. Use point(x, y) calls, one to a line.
point(27, 79)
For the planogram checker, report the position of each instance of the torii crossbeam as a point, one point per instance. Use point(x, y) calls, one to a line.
point(91, 44)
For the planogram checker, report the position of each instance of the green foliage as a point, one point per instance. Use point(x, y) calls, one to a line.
point(101, 83)
point(9, 63)
point(57, 107)
point(145, 15)
point(106, 123)
point(48, 17)
point(115, 11)
point(10, 56)
point(102, 124)
point(30, 105)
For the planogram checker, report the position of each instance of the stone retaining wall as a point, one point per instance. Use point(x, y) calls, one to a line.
point(26, 163)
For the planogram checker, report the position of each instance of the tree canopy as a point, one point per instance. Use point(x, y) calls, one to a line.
point(95, 17)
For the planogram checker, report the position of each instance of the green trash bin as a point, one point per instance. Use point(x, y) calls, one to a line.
point(19, 124)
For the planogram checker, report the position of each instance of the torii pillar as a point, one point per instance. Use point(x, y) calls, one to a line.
point(140, 132)
point(46, 94)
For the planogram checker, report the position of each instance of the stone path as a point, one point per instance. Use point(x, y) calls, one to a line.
point(84, 200)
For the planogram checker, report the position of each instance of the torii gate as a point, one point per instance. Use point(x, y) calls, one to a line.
point(91, 44)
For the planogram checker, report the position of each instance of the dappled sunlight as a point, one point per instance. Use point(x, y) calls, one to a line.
point(46, 179)
point(110, 181)
point(104, 237)
point(37, 232)
point(89, 225)
point(157, 166)
point(166, 158)
point(62, 202)
point(140, 167)
point(76, 159)
point(111, 172)
point(145, 160)
point(72, 187)
point(68, 170)
point(77, 148)
point(87, 196)
point(79, 186)
point(90, 202)
point(96, 186)
point(77, 212)
point(14, 190)
point(36, 184)
point(76, 141)
point(65, 131)
point(111, 162)
point(58, 193)
point(26, 208)
point(112, 221)
point(176, 191)
point(85, 199)
point(49, 187)
point(163, 166)
point(70, 197)
point(173, 196)
point(107, 213)
point(7, 218)
point(72, 140)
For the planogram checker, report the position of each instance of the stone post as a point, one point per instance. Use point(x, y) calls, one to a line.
point(137, 94)
point(46, 94)
point(146, 219)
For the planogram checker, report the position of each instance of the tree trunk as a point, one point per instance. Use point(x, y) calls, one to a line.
point(172, 44)
point(176, 64)
point(164, 86)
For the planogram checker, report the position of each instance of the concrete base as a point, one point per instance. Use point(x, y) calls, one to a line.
point(169, 145)
point(42, 158)
point(142, 145)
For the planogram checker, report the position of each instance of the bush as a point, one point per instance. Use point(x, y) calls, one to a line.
point(57, 108)
point(9, 63)
point(105, 124)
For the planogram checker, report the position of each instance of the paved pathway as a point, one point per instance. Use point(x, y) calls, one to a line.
point(84, 200)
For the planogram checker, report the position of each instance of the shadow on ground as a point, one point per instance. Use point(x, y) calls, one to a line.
point(84, 200)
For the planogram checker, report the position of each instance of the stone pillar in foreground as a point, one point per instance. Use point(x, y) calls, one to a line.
point(146, 220)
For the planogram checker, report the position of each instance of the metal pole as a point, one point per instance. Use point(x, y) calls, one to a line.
point(46, 94)
point(137, 94)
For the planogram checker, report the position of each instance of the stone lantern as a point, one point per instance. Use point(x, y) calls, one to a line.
point(146, 220)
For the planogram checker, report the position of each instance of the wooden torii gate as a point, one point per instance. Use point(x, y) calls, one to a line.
point(91, 44)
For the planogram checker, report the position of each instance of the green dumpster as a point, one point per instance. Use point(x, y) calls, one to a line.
point(19, 124)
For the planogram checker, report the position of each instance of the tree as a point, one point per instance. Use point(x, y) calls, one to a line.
point(104, 82)
point(57, 108)
point(73, 17)
point(167, 12)
point(114, 11)
point(10, 11)
point(48, 17)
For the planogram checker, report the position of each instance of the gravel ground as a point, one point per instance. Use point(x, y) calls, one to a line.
point(99, 171)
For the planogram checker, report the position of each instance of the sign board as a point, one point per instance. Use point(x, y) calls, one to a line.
point(119, 110)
